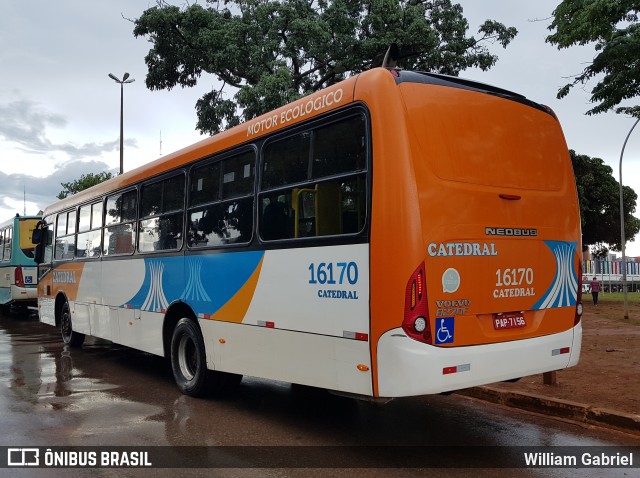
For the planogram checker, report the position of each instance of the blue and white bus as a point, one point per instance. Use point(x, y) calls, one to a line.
point(18, 270)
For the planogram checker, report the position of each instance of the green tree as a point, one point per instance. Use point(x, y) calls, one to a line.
point(599, 197)
point(271, 52)
point(613, 26)
point(85, 182)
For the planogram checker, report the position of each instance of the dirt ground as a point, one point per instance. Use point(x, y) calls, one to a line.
point(608, 375)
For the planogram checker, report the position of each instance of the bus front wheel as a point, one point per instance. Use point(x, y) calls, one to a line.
point(69, 337)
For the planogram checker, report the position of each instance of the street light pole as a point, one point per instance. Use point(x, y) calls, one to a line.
point(124, 80)
point(622, 238)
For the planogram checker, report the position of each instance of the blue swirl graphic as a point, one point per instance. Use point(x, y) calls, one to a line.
point(563, 291)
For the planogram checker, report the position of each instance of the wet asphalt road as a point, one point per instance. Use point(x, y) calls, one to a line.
point(108, 395)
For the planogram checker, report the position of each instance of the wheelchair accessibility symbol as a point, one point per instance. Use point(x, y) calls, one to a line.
point(445, 330)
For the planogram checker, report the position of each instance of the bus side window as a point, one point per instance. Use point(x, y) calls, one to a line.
point(89, 239)
point(120, 228)
point(314, 182)
point(161, 213)
point(65, 236)
point(7, 244)
point(221, 202)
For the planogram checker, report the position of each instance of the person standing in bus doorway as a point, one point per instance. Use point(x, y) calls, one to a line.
point(595, 288)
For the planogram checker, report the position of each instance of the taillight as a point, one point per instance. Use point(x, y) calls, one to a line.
point(578, 316)
point(19, 278)
point(416, 312)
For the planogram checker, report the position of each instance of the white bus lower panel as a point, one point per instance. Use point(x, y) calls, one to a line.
point(308, 359)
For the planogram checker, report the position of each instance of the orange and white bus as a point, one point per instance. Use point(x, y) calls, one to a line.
point(398, 233)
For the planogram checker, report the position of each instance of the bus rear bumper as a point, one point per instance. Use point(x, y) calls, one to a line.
point(407, 367)
point(26, 295)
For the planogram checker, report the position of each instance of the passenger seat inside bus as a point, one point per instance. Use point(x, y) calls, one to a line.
point(275, 220)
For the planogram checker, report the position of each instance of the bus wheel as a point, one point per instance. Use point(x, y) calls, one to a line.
point(188, 359)
point(69, 337)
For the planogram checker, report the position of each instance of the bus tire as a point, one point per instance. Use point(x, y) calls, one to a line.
point(188, 358)
point(69, 337)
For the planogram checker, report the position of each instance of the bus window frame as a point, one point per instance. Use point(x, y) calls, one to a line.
point(139, 219)
point(219, 158)
point(357, 109)
point(92, 228)
point(74, 234)
point(6, 242)
point(134, 221)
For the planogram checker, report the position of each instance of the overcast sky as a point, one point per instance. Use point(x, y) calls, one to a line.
point(60, 112)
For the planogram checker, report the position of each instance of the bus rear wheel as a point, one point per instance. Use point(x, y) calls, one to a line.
point(189, 363)
point(188, 358)
point(69, 337)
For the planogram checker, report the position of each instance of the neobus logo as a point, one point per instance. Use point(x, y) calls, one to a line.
point(509, 231)
point(64, 277)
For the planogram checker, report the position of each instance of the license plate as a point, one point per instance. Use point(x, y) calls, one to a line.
point(510, 320)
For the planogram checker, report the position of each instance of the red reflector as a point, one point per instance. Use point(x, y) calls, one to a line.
point(564, 350)
point(449, 370)
point(271, 325)
point(361, 336)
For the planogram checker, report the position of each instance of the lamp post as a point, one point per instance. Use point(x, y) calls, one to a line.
point(124, 80)
point(622, 238)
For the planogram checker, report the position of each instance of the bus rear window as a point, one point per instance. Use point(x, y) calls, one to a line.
point(478, 138)
point(27, 227)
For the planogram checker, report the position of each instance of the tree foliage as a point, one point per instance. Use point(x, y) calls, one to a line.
point(85, 182)
point(613, 26)
point(271, 52)
point(599, 197)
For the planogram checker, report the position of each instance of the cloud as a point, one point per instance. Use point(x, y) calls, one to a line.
point(24, 122)
point(43, 191)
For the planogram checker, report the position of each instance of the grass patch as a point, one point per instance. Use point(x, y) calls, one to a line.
point(632, 297)
point(611, 307)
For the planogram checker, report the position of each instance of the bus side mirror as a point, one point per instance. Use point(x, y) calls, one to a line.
point(36, 237)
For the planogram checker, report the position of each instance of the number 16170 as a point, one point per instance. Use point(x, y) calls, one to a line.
point(333, 273)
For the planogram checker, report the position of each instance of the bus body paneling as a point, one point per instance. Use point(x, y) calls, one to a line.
point(488, 204)
point(18, 270)
point(445, 256)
